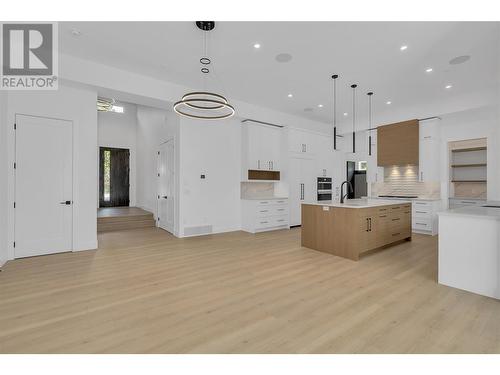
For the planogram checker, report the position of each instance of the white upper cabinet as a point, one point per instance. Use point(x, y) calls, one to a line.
point(261, 147)
point(429, 154)
point(324, 156)
point(302, 142)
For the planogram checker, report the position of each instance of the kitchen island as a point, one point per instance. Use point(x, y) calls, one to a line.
point(355, 227)
point(469, 249)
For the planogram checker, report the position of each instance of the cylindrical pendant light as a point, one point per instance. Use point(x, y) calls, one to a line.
point(334, 77)
point(370, 123)
point(354, 118)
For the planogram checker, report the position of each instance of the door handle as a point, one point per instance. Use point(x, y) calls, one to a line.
point(67, 203)
point(165, 197)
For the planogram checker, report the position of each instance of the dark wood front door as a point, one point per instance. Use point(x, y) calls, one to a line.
point(114, 174)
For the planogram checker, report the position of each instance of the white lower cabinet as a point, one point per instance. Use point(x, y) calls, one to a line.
point(424, 216)
point(264, 215)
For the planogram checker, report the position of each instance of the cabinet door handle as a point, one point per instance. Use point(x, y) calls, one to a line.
point(396, 219)
point(421, 212)
point(370, 221)
point(367, 225)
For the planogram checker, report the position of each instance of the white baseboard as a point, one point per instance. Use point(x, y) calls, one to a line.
point(91, 245)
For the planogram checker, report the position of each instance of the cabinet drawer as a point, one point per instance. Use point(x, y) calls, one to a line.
point(271, 221)
point(398, 235)
point(264, 203)
point(280, 220)
point(279, 210)
point(281, 201)
point(422, 205)
point(419, 223)
point(264, 211)
point(423, 211)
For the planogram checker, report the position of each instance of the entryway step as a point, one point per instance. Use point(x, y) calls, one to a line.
point(123, 218)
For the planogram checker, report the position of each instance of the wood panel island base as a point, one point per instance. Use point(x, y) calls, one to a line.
point(356, 227)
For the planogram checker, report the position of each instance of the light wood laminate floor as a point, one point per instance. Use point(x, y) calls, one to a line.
point(145, 291)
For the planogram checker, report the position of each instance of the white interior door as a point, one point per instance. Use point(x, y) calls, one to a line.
point(166, 189)
point(44, 186)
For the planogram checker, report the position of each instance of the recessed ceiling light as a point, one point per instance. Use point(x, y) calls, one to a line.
point(256, 45)
point(76, 32)
point(388, 102)
point(320, 105)
point(402, 48)
point(448, 86)
point(283, 57)
point(290, 95)
point(459, 60)
point(345, 113)
point(428, 70)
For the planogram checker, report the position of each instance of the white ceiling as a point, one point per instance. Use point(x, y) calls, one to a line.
point(366, 53)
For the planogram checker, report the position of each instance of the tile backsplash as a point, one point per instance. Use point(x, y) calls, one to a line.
point(257, 189)
point(403, 180)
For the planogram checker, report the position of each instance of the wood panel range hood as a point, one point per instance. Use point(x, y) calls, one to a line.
point(398, 143)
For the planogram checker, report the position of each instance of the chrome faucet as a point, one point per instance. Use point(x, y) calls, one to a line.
point(342, 196)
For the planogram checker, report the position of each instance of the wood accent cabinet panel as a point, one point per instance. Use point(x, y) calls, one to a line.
point(348, 232)
point(398, 144)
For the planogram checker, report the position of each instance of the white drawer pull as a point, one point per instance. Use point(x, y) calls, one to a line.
point(263, 222)
point(264, 211)
point(421, 224)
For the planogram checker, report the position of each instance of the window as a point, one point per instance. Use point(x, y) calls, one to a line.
point(107, 175)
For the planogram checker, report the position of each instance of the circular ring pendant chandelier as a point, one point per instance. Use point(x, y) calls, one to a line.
point(204, 105)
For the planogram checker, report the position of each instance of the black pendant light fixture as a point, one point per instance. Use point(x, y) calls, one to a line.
point(370, 94)
point(204, 105)
point(334, 77)
point(354, 118)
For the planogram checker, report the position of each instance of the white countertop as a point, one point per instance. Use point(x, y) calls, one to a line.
point(357, 203)
point(408, 199)
point(263, 198)
point(475, 211)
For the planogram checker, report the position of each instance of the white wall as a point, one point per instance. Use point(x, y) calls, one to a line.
point(154, 127)
point(3, 177)
point(212, 148)
point(119, 130)
point(79, 106)
point(476, 123)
